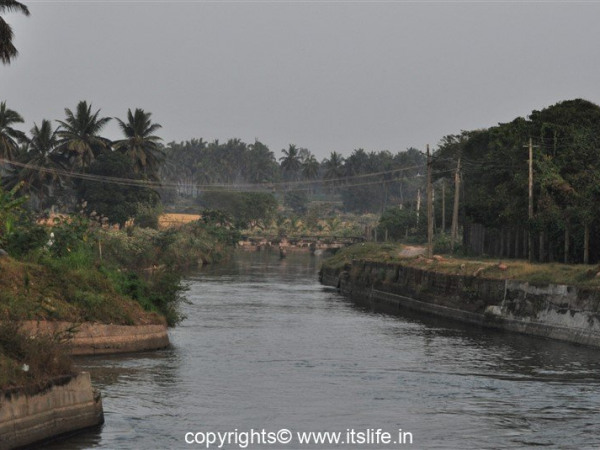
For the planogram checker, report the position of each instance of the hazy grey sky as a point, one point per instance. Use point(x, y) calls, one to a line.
point(328, 76)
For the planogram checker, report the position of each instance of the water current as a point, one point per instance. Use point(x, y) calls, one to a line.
point(266, 347)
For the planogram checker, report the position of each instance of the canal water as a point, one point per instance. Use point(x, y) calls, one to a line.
point(266, 347)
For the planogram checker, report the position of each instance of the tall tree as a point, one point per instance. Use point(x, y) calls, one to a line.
point(140, 144)
point(291, 162)
point(44, 166)
point(7, 49)
point(260, 165)
point(310, 167)
point(9, 137)
point(334, 168)
point(80, 138)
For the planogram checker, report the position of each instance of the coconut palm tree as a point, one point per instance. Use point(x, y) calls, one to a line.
point(80, 139)
point(7, 49)
point(291, 162)
point(140, 144)
point(9, 137)
point(43, 172)
point(310, 167)
point(334, 167)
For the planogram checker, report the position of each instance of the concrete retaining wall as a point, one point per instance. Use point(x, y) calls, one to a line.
point(555, 311)
point(96, 338)
point(68, 404)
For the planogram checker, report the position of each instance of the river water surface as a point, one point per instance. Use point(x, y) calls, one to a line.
point(264, 346)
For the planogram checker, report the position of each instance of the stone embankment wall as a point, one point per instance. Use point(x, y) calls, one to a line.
point(96, 338)
point(555, 311)
point(67, 404)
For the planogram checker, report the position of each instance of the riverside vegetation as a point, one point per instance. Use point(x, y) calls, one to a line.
point(77, 270)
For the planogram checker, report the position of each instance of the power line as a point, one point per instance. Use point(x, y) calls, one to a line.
point(283, 185)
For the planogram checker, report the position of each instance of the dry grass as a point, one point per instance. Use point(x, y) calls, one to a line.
point(173, 220)
point(386, 252)
point(569, 274)
point(30, 362)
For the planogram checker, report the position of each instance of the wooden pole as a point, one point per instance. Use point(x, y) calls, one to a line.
point(454, 226)
point(443, 206)
point(429, 207)
point(418, 205)
point(530, 209)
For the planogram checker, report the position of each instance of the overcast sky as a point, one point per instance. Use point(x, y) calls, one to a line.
point(328, 76)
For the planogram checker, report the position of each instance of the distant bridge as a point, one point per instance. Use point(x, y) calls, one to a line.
point(309, 242)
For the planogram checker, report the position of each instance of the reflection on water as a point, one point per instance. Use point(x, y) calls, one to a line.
point(265, 346)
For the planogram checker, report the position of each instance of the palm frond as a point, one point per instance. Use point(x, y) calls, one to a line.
point(12, 6)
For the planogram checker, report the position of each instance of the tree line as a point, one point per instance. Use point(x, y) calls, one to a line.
point(69, 163)
point(363, 181)
point(494, 171)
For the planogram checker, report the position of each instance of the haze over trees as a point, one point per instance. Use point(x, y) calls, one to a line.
point(363, 182)
point(491, 207)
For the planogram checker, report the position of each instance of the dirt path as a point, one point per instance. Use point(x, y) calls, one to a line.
point(412, 250)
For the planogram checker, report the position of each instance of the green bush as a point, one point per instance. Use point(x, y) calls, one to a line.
point(399, 223)
point(248, 209)
point(146, 215)
point(442, 243)
point(25, 239)
point(69, 233)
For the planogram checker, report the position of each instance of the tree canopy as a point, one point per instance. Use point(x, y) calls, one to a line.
point(7, 49)
point(566, 167)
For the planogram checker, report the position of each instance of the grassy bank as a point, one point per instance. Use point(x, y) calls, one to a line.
point(78, 270)
point(570, 274)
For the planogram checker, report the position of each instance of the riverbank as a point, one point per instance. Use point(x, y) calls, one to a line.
point(86, 339)
point(64, 405)
point(82, 289)
point(297, 343)
point(477, 292)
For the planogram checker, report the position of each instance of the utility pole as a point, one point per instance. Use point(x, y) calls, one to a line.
point(454, 226)
point(443, 206)
point(418, 205)
point(429, 207)
point(530, 209)
point(433, 209)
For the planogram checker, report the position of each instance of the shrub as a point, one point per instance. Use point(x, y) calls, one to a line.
point(399, 223)
point(146, 215)
point(30, 361)
point(25, 239)
point(442, 243)
point(69, 234)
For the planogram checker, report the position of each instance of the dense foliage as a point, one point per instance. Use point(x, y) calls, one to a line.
point(79, 269)
point(119, 202)
point(364, 182)
point(62, 167)
point(247, 209)
point(566, 180)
